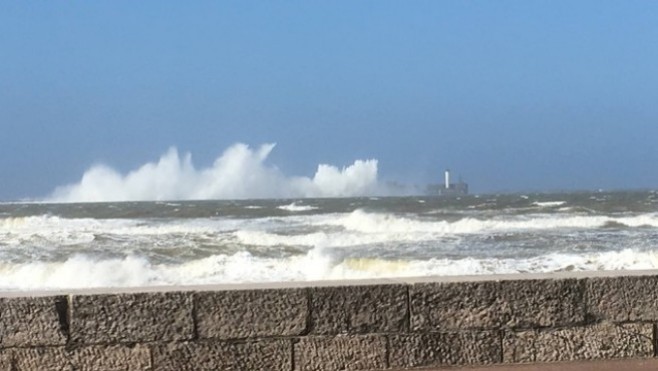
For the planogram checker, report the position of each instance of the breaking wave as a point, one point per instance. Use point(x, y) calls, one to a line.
point(338, 230)
point(365, 222)
point(239, 173)
point(317, 264)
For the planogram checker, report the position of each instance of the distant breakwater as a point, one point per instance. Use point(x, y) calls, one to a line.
point(345, 325)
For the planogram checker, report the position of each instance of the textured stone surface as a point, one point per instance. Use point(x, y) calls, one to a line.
point(33, 321)
point(623, 299)
point(359, 309)
point(262, 355)
point(352, 328)
point(112, 358)
point(5, 361)
point(365, 352)
point(443, 349)
point(250, 313)
point(127, 318)
point(95, 358)
point(49, 359)
point(602, 341)
point(496, 304)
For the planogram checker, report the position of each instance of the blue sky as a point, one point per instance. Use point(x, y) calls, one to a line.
point(513, 95)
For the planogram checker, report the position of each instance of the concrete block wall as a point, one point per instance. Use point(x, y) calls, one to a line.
point(350, 325)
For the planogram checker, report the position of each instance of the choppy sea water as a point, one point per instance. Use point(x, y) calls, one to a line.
point(47, 246)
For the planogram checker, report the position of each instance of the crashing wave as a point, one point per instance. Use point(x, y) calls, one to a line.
point(239, 173)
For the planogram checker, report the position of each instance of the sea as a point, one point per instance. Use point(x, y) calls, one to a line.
point(125, 244)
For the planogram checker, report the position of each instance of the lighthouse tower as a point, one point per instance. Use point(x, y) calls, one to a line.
point(446, 188)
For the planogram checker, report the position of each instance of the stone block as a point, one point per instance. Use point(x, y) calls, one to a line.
point(251, 313)
point(33, 321)
point(275, 355)
point(623, 299)
point(112, 358)
point(43, 359)
point(601, 341)
point(94, 358)
point(445, 349)
point(129, 318)
point(359, 309)
point(445, 306)
point(364, 352)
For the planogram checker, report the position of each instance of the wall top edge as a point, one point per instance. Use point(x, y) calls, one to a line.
point(331, 283)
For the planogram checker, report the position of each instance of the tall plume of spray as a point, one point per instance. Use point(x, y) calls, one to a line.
point(239, 173)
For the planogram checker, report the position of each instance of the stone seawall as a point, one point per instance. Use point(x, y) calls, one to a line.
point(347, 325)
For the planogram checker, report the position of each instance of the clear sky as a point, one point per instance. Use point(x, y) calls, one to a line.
point(513, 95)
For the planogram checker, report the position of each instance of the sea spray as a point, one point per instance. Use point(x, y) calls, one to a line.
point(239, 173)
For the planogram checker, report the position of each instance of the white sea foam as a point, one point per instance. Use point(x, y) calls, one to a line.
point(336, 230)
point(295, 207)
point(78, 271)
point(128, 227)
point(549, 203)
point(644, 220)
point(82, 271)
point(50, 251)
point(55, 231)
point(239, 173)
point(365, 222)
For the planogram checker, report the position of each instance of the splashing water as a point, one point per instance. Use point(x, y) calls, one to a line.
point(239, 173)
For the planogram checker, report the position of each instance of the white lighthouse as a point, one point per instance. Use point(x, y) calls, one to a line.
point(448, 189)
